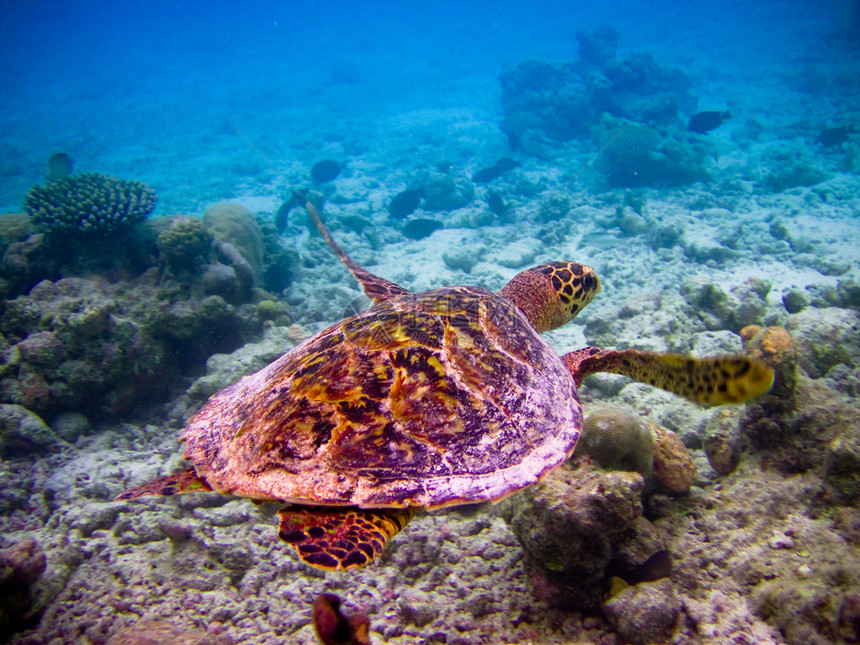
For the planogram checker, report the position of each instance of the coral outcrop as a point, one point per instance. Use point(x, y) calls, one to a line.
point(80, 344)
point(572, 526)
point(21, 566)
point(618, 440)
point(90, 203)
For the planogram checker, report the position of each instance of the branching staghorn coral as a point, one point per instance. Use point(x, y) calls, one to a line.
point(90, 203)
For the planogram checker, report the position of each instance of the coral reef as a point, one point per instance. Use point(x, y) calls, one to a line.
point(81, 345)
point(90, 203)
point(639, 156)
point(631, 102)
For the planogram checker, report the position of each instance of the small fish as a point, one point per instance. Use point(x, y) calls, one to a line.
point(835, 136)
point(404, 203)
point(419, 228)
point(704, 122)
point(60, 166)
point(485, 175)
point(496, 204)
point(333, 628)
point(658, 566)
point(324, 171)
point(284, 211)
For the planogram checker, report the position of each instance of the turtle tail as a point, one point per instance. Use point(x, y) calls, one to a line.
point(708, 381)
point(186, 481)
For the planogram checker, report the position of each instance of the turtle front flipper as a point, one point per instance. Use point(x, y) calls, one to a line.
point(336, 538)
point(376, 288)
point(709, 381)
point(186, 481)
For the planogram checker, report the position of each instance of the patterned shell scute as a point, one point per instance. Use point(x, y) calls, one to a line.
point(430, 399)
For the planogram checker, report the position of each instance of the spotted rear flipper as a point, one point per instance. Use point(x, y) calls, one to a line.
point(708, 381)
point(337, 538)
point(186, 481)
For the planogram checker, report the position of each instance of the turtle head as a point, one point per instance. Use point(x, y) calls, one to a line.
point(550, 295)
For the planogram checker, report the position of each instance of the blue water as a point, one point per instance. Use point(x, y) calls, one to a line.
point(155, 91)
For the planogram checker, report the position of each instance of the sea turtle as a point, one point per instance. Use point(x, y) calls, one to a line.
point(425, 400)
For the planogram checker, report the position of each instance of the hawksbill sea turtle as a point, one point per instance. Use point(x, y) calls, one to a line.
point(425, 400)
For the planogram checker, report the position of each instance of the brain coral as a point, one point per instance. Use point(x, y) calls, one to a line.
point(90, 203)
point(617, 439)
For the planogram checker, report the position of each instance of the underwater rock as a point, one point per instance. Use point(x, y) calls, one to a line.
point(464, 258)
point(21, 566)
point(639, 554)
point(645, 613)
point(519, 253)
point(486, 175)
point(221, 280)
point(775, 347)
point(826, 338)
point(71, 426)
point(617, 440)
point(638, 156)
point(325, 171)
point(446, 192)
point(567, 525)
point(23, 433)
point(673, 468)
point(746, 304)
point(26, 262)
point(15, 227)
point(236, 225)
point(90, 203)
point(420, 228)
point(224, 369)
point(795, 301)
point(804, 610)
point(842, 465)
point(784, 167)
point(163, 632)
point(723, 441)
